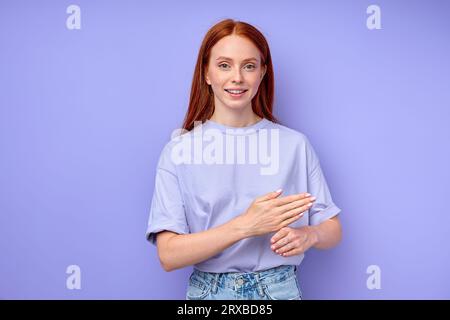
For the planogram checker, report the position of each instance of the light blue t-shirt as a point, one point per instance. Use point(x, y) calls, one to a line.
point(211, 174)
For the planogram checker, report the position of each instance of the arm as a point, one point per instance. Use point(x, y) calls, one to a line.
point(294, 241)
point(328, 234)
point(265, 214)
point(180, 250)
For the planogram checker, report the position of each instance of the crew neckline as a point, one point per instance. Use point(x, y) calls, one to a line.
point(209, 124)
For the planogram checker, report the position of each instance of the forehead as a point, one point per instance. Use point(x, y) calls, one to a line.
point(236, 48)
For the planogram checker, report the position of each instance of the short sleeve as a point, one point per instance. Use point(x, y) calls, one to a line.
point(323, 207)
point(167, 211)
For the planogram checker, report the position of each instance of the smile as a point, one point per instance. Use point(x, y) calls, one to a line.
point(236, 93)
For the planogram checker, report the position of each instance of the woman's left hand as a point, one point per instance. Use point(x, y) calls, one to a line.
point(293, 241)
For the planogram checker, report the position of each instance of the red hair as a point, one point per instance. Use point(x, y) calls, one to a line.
point(201, 102)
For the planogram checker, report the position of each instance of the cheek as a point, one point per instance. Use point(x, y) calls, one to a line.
point(216, 77)
point(254, 89)
point(217, 87)
point(254, 83)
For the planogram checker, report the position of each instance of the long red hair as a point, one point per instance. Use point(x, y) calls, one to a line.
point(201, 102)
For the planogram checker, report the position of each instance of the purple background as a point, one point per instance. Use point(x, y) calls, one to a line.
point(85, 113)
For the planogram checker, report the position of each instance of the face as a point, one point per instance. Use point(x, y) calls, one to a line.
point(235, 63)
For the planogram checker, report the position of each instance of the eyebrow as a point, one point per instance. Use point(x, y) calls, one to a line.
point(226, 58)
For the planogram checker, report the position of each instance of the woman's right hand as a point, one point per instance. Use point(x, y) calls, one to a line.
point(269, 213)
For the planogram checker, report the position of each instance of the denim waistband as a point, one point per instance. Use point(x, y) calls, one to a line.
point(231, 279)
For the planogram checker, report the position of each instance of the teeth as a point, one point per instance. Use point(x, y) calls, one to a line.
point(236, 91)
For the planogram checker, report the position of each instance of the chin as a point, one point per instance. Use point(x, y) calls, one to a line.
point(237, 105)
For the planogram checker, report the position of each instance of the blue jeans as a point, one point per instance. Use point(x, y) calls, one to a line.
point(279, 283)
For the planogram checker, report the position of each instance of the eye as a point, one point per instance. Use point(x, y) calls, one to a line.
point(223, 64)
point(251, 65)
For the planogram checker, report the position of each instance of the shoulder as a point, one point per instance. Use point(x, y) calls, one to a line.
point(291, 135)
point(172, 150)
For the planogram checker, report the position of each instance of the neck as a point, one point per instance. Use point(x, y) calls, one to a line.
point(235, 118)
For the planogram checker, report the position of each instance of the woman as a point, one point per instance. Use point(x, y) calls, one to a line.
point(213, 205)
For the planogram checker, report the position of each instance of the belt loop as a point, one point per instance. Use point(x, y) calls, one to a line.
point(259, 286)
point(215, 283)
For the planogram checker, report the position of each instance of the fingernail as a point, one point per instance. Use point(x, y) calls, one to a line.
point(307, 194)
point(279, 190)
point(313, 198)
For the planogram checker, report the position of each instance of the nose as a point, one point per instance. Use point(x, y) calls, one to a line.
point(237, 77)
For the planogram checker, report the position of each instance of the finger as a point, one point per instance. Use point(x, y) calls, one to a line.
point(287, 222)
point(295, 244)
point(296, 204)
point(280, 234)
point(293, 252)
point(294, 212)
point(287, 199)
point(287, 247)
point(281, 242)
point(270, 195)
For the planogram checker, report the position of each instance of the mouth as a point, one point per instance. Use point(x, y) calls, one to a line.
point(236, 93)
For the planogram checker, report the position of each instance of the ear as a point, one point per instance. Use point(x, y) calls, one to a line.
point(263, 71)
point(206, 77)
